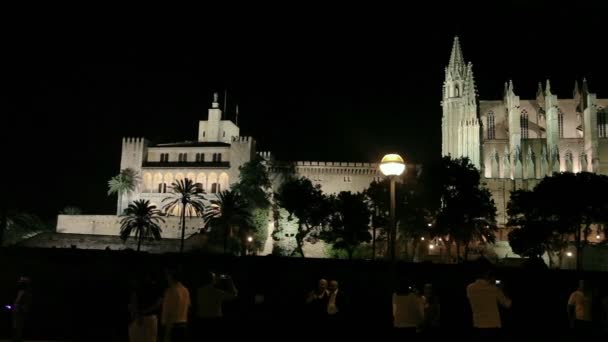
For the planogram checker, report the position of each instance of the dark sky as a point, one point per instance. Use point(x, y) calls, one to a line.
point(311, 85)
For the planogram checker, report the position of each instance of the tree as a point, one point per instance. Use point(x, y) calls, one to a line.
point(227, 211)
point(308, 204)
point(254, 183)
point(411, 210)
point(560, 208)
point(21, 226)
point(466, 211)
point(122, 184)
point(349, 224)
point(71, 210)
point(254, 186)
point(143, 219)
point(188, 198)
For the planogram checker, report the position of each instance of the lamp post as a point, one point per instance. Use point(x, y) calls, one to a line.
point(392, 166)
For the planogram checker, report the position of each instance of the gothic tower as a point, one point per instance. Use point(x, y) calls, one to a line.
point(460, 125)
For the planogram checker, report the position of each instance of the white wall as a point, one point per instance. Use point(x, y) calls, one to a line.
point(110, 225)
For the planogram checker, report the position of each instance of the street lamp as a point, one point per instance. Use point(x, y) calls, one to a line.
point(392, 166)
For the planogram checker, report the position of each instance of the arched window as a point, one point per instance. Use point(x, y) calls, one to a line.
point(219, 157)
point(198, 157)
point(182, 157)
point(164, 157)
point(523, 124)
point(601, 123)
point(560, 122)
point(491, 126)
point(214, 157)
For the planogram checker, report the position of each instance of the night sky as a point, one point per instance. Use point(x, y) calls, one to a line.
point(311, 85)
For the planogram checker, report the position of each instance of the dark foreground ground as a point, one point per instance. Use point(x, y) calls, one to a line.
point(82, 295)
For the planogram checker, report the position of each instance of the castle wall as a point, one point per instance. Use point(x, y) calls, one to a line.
point(110, 225)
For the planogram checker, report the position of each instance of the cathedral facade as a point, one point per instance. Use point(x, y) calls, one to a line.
point(516, 142)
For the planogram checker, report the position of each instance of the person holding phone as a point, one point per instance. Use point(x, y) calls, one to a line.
point(209, 302)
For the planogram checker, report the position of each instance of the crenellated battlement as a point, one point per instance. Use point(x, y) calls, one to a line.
point(132, 140)
point(266, 155)
point(347, 168)
point(336, 164)
point(242, 139)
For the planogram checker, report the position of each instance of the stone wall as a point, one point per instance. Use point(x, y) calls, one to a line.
point(110, 225)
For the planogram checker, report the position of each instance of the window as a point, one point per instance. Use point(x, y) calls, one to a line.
point(162, 187)
point(200, 157)
point(523, 124)
point(197, 158)
point(203, 134)
point(601, 123)
point(224, 135)
point(164, 157)
point(347, 179)
point(560, 122)
point(219, 157)
point(215, 188)
point(182, 157)
point(491, 126)
point(214, 157)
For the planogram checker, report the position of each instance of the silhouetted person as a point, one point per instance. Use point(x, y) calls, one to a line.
point(579, 309)
point(176, 303)
point(209, 302)
point(21, 308)
point(432, 311)
point(335, 304)
point(485, 298)
point(144, 307)
point(316, 302)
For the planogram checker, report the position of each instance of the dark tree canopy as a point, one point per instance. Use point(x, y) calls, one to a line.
point(349, 223)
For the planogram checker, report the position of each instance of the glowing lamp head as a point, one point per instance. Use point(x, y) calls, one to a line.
point(569, 254)
point(249, 239)
point(431, 246)
point(392, 165)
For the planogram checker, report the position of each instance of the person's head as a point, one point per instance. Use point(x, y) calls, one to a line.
point(582, 285)
point(428, 290)
point(209, 278)
point(23, 282)
point(172, 276)
point(322, 285)
point(333, 286)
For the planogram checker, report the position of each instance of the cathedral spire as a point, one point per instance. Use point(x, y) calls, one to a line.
point(540, 98)
point(456, 67)
point(576, 95)
point(584, 93)
point(548, 88)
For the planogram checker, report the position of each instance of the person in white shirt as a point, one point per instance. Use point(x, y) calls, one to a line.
point(408, 310)
point(175, 308)
point(485, 297)
point(579, 308)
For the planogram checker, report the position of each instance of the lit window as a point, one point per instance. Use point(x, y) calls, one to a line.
point(601, 123)
point(560, 123)
point(523, 124)
point(491, 126)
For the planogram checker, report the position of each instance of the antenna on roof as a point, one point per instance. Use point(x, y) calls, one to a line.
point(225, 100)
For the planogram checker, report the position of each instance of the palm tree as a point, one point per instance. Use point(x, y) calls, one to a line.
point(227, 211)
point(143, 218)
point(124, 183)
point(189, 196)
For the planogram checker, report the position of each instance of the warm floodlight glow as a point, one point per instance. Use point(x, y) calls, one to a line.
point(431, 246)
point(569, 254)
point(392, 165)
point(249, 239)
